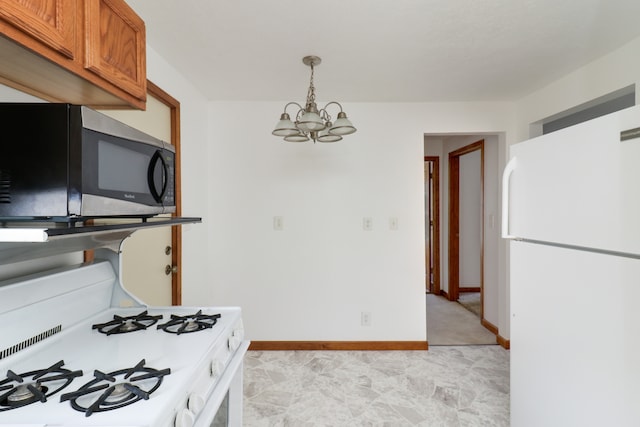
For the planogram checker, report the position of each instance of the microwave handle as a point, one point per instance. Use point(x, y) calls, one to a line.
point(157, 195)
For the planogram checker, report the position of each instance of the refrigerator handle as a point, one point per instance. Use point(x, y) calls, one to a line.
point(513, 163)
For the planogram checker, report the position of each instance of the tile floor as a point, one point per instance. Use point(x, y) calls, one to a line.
point(445, 386)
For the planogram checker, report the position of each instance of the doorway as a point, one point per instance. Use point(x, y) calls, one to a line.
point(487, 287)
point(432, 223)
point(466, 233)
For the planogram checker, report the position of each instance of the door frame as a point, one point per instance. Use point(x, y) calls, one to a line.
point(434, 206)
point(176, 231)
point(454, 220)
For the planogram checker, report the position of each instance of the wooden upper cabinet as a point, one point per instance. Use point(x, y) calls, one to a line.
point(90, 52)
point(115, 45)
point(52, 22)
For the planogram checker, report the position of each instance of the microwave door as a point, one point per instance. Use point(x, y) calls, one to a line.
point(122, 177)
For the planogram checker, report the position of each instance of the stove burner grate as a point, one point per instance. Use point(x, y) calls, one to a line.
point(107, 392)
point(19, 390)
point(190, 323)
point(122, 325)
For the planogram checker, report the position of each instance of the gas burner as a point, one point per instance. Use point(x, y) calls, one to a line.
point(135, 384)
point(191, 323)
point(122, 325)
point(35, 386)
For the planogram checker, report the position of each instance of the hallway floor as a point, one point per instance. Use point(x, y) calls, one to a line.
point(449, 323)
point(444, 386)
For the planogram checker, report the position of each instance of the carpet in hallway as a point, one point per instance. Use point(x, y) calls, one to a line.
point(471, 301)
point(449, 323)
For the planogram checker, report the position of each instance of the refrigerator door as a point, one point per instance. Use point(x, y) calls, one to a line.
point(578, 186)
point(575, 338)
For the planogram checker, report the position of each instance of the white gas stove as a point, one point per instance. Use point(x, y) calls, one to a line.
point(78, 350)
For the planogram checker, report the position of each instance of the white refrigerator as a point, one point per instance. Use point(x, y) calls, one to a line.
point(571, 210)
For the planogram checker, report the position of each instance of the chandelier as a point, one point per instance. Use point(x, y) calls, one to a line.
point(311, 123)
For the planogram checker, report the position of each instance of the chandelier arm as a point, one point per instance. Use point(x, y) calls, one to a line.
point(332, 102)
point(292, 103)
point(324, 115)
point(299, 115)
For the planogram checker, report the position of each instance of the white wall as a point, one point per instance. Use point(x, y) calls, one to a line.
point(312, 280)
point(8, 94)
point(495, 287)
point(612, 72)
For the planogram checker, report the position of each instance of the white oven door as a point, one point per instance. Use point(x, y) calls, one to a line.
point(224, 406)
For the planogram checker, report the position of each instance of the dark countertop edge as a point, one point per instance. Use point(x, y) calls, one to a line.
point(64, 231)
point(55, 230)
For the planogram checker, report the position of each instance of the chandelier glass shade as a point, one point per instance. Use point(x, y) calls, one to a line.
point(311, 123)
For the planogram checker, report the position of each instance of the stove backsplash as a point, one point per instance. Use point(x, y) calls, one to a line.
point(34, 301)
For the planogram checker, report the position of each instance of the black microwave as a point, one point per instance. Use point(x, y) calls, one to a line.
point(65, 162)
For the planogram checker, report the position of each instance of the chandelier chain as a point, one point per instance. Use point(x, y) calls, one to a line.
point(311, 94)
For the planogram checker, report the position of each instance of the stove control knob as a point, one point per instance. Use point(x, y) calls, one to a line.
point(185, 418)
point(217, 367)
point(234, 342)
point(195, 403)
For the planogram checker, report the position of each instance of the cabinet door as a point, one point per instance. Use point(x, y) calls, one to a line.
point(51, 22)
point(115, 45)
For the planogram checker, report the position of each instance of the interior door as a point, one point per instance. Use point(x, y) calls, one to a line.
point(432, 223)
point(466, 266)
point(147, 253)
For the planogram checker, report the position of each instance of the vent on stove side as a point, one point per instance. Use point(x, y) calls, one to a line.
point(5, 186)
point(29, 342)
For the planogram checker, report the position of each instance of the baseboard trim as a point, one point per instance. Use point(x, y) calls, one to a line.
point(444, 294)
point(505, 343)
point(338, 345)
point(469, 289)
point(490, 326)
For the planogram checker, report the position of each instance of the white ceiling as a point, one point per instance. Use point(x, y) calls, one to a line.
point(383, 50)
